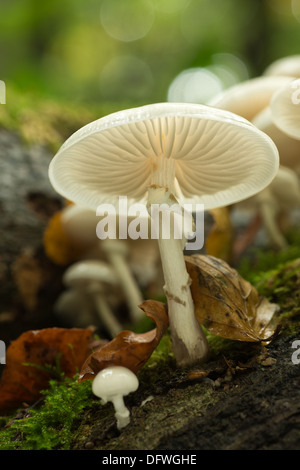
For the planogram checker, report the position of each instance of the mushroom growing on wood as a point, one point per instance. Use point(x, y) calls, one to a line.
point(112, 384)
point(161, 154)
point(285, 109)
point(90, 277)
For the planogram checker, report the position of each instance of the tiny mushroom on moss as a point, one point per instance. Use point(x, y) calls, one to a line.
point(285, 109)
point(112, 384)
point(90, 277)
point(160, 154)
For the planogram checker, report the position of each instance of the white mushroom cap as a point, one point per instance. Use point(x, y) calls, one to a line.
point(114, 380)
point(288, 147)
point(112, 384)
point(85, 272)
point(285, 108)
point(248, 98)
point(208, 147)
point(288, 66)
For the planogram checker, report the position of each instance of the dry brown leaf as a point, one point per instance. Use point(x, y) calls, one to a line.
point(220, 239)
point(128, 349)
point(226, 304)
point(41, 348)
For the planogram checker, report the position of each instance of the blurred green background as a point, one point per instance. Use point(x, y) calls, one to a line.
point(131, 51)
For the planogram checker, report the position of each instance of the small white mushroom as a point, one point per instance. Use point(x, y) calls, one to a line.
point(112, 384)
point(80, 223)
point(90, 277)
point(74, 309)
point(285, 109)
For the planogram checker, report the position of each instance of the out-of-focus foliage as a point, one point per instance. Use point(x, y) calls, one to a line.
point(129, 51)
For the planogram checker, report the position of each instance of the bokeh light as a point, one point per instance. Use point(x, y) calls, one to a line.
point(296, 9)
point(201, 84)
point(170, 6)
point(127, 20)
point(196, 85)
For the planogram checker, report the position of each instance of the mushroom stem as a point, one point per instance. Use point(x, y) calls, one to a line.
point(131, 290)
point(189, 341)
point(105, 314)
point(121, 412)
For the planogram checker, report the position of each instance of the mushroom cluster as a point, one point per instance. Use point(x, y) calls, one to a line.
point(165, 154)
point(270, 102)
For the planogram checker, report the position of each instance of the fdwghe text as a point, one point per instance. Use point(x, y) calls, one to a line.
point(149, 459)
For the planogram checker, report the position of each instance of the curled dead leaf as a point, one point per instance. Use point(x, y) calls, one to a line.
point(226, 304)
point(31, 358)
point(128, 349)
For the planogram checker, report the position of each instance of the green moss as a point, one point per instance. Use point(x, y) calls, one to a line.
point(259, 265)
point(48, 426)
point(40, 120)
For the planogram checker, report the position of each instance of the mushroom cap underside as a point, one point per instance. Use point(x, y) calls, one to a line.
point(220, 158)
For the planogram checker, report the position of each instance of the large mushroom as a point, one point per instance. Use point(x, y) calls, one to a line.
point(161, 154)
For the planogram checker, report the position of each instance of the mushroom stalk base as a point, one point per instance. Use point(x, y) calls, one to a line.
point(189, 341)
point(121, 412)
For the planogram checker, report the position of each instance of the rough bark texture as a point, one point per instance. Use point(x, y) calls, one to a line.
point(27, 200)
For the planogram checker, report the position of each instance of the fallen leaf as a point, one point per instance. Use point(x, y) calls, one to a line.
point(30, 358)
point(128, 349)
point(226, 304)
point(220, 238)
